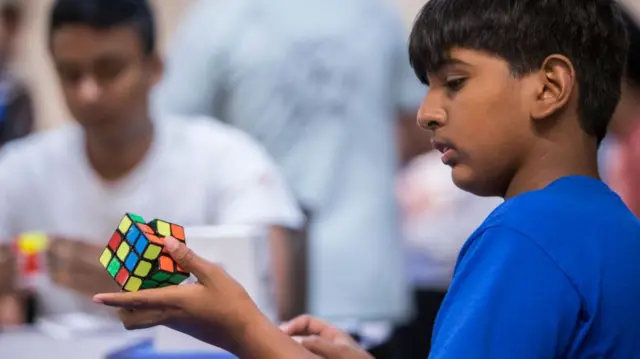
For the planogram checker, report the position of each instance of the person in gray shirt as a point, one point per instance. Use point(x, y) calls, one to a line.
point(323, 85)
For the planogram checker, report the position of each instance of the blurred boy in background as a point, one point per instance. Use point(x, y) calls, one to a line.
point(75, 183)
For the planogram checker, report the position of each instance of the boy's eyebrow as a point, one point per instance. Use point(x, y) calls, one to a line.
point(448, 62)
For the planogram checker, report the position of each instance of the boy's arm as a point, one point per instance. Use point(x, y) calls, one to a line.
point(12, 310)
point(25, 115)
point(266, 341)
point(288, 299)
point(508, 299)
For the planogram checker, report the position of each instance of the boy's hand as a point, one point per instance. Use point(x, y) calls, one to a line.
point(74, 264)
point(7, 269)
point(324, 339)
point(216, 310)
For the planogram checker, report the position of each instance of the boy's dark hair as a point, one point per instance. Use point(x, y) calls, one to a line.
point(590, 33)
point(105, 14)
point(633, 62)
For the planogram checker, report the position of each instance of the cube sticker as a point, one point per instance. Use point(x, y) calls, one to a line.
point(135, 258)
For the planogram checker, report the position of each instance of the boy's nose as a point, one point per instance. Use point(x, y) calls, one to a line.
point(89, 91)
point(431, 118)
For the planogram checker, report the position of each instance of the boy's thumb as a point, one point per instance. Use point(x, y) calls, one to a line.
point(187, 259)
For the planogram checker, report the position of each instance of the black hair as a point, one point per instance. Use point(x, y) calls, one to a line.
point(105, 14)
point(633, 60)
point(591, 33)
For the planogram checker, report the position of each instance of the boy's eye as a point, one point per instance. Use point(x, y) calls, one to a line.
point(455, 84)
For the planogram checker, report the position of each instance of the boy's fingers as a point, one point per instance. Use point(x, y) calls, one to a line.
point(304, 325)
point(307, 325)
point(144, 299)
point(320, 346)
point(141, 318)
point(188, 260)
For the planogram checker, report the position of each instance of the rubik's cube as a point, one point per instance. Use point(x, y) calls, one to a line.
point(135, 257)
point(31, 247)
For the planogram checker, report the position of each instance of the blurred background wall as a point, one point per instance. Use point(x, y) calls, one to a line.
point(34, 63)
point(33, 59)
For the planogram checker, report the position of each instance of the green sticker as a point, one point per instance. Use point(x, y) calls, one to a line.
point(114, 267)
point(136, 218)
point(177, 278)
point(147, 284)
point(160, 276)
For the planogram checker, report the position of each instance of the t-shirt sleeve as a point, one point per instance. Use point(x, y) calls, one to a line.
point(508, 299)
point(252, 190)
point(194, 78)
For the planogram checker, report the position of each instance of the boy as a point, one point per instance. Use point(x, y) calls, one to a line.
point(75, 183)
point(521, 93)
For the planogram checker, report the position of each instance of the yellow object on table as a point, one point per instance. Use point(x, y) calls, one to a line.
point(31, 243)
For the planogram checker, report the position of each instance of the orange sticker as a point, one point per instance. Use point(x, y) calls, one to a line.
point(177, 232)
point(155, 239)
point(143, 227)
point(166, 264)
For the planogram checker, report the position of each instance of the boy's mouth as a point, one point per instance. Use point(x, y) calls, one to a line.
point(449, 153)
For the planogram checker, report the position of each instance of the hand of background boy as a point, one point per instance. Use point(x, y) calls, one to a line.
point(7, 269)
point(73, 264)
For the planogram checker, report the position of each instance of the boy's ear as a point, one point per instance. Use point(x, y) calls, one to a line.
point(557, 80)
point(157, 68)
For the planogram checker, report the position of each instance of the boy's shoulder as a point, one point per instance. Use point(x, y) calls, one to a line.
point(40, 148)
point(575, 205)
point(572, 217)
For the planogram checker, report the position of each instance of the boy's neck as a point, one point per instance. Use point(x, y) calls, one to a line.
point(113, 158)
point(558, 160)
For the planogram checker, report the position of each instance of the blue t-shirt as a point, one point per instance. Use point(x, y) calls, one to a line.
point(553, 273)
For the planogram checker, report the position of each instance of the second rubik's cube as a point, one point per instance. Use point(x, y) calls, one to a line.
point(135, 257)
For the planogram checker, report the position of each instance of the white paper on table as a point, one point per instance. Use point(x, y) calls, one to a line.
point(243, 252)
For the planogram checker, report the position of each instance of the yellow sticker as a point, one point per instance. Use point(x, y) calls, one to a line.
point(133, 284)
point(124, 225)
point(105, 258)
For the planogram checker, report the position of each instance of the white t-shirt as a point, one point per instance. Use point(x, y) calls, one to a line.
point(322, 94)
point(197, 172)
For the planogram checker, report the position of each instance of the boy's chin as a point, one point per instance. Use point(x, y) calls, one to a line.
point(462, 177)
point(470, 181)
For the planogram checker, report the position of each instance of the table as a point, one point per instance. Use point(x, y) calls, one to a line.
point(144, 350)
point(30, 343)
